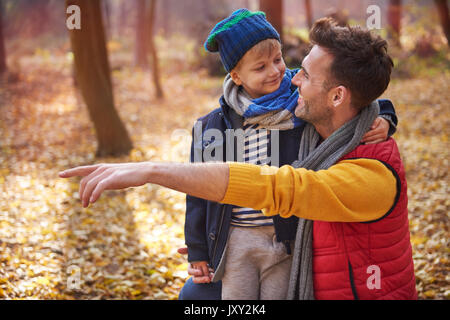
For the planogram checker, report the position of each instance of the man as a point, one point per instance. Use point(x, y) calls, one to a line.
point(358, 245)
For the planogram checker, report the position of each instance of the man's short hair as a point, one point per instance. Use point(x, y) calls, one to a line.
point(360, 63)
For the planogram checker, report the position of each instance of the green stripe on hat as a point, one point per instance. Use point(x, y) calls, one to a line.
point(232, 22)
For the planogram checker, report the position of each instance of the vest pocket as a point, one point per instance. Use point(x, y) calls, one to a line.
point(352, 281)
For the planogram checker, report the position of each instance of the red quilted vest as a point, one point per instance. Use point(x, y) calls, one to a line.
point(367, 260)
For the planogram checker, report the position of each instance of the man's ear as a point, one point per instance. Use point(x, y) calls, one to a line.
point(235, 77)
point(338, 96)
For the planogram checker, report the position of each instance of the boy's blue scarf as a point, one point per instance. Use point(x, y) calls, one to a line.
point(272, 111)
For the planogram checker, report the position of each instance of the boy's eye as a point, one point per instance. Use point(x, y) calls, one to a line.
point(259, 68)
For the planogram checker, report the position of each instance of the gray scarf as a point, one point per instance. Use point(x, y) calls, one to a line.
point(314, 157)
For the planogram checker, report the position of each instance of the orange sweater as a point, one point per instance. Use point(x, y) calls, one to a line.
point(354, 190)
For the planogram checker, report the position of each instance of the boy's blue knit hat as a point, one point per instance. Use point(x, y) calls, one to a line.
point(235, 35)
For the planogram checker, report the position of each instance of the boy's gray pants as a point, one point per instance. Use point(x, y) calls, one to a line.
point(257, 267)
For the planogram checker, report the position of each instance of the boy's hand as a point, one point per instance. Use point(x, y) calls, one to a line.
point(200, 272)
point(378, 131)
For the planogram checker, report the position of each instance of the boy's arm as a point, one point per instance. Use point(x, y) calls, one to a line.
point(384, 126)
point(387, 111)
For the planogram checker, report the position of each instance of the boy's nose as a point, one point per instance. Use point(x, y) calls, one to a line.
point(274, 71)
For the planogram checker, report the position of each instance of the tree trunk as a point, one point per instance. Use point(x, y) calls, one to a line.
point(274, 13)
point(308, 11)
point(2, 43)
point(141, 49)
point(442, 7)
point(394, 19)
point(151, 44)
point(94, 80)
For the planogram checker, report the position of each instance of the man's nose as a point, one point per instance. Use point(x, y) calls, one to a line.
point(296, 80)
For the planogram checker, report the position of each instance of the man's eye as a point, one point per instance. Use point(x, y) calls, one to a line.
point(303, 74)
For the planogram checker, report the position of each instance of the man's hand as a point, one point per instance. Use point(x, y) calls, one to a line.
point(100, 177)
point(199, 271)
point(378, 131)
point(208, 181)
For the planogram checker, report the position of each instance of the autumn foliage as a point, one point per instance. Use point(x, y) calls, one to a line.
point(124, 246)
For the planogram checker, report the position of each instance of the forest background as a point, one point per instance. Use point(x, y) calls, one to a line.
point(130, 90)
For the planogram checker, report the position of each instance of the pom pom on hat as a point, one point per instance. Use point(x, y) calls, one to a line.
point(235, 35)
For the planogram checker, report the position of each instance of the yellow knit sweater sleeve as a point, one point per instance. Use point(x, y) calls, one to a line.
point(354, 190)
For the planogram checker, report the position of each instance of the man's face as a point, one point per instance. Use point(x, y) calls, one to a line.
point(313, 100)
point(261, 75)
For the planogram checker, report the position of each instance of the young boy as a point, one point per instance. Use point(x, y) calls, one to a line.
point(249, 252)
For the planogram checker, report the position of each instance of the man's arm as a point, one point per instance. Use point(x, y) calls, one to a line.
point(351, 191)
point(203, 180)
point(355, 190)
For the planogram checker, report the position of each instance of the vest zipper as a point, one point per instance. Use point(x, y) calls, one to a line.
point(217, 237)
point(352, 281)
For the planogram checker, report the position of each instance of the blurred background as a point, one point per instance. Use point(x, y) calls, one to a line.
point(128, 86)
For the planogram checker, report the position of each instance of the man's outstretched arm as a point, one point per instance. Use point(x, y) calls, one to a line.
point(204, 180)
point(353, 190)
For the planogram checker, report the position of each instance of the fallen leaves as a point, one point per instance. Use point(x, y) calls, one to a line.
point(422, 136)
point(123, 247)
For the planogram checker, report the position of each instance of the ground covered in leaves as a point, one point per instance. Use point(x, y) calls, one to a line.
point(124, 246)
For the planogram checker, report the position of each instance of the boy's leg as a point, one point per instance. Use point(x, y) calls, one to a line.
point(275, 269)
point(241, 277)
point(201, 291)
point(275, 280)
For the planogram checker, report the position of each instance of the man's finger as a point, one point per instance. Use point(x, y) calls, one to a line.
point(78, 171)
point(94, 180)
point(182, 250)
point(99, 170)
point(101, 186)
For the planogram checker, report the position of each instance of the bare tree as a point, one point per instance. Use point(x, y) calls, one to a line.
point(274, 12)
point(153, 52)
point(442, 7)
point(93, 76)
point(394, 19)
point(140, 47)
point(2, 43)
point(308, 11)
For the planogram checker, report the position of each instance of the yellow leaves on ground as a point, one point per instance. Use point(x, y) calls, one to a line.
point(123, 247)
point(422, 136)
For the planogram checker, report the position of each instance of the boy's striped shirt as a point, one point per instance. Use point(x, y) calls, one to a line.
point(256, 148)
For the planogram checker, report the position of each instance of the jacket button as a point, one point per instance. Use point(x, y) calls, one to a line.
point(212, 236)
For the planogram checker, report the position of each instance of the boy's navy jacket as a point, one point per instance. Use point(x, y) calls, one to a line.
point(207, 222)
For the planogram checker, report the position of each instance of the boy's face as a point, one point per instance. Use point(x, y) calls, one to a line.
point(260, 74)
